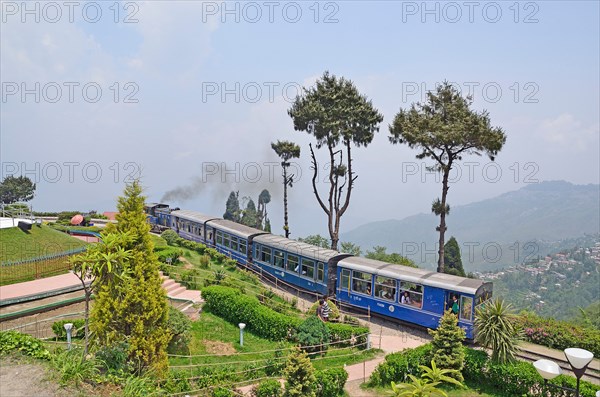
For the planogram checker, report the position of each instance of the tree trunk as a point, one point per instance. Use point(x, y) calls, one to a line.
point(442, 227)
point(87, 322)
point(285, 210)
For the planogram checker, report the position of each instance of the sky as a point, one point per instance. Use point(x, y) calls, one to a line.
point(189, 95)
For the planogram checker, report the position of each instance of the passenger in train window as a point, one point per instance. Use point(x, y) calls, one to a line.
point(405, 298)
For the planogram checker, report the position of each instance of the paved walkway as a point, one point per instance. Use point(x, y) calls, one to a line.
point(38, 287)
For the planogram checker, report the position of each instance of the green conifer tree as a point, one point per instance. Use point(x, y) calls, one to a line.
point(134, 308)
point(447, 347)
point(299, 375)
point(452, 260)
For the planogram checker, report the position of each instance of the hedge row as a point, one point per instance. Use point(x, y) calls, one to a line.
point(516, 379)
point(26, 344)
point(329, 383)
point(558, 334)
point(236, 307)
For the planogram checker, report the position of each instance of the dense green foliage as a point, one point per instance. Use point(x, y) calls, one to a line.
point(313, 335)
point(452, 259)
point(134, 308)
point(513, 379)
point(170, 236)
point(28, 345)
point(267, 388)
point(232, 208)
point(447, 349)
point(496, 330)
point(235, 307)
point(299, 375)
point(168, 254)
point(379, 253)
point(74, 366)
point(179, 328)
point(557, 334)
point(330, 382)
point(13, 189)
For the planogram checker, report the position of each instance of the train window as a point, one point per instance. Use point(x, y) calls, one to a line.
point(345, 280)
point(234, 243)
point(220, 238)
point(242, 247)
point(278, 258)
point(320, 271)
point(466, 308)
point(361, 282)
point(411, 294)
point(226, 240)
point(385, 288)
point(292, 263)
point(308, 268)
point(483, 294)
point(265, 255)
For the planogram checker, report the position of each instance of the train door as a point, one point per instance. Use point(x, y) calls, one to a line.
point(452, 302)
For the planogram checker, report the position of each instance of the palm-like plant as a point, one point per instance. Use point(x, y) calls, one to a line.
point(417, 388)
point(439, 375)
point(496, 330)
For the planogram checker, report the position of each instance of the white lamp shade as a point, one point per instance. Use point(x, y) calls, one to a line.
point(578, 358)
point(547, 369)
point(242, 325)
point(68, 326)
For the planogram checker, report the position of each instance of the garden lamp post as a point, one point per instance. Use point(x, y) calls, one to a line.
point(68, 328)
point(242, 326)
point(578, 359)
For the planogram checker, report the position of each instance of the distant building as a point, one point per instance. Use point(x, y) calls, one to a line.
point(110, 215)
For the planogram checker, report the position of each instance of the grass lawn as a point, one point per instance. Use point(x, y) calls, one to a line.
point(20, 245)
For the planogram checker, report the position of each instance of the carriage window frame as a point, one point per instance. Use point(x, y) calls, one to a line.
point(320, 271)
point(307, 268)
point(219, 238)
point(466, 302)
point(292, 263)
point(234, 243)
point(345, 279)
point(364, 280)
point(265, 255)
point(415, 292)
point(278, 258)
point(242, 246)
point(226, 240)
point(385, 284)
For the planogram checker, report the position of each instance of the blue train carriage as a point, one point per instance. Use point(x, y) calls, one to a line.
point(303, 265)
point(192, 225)
point(412, 295)
point(233, 239)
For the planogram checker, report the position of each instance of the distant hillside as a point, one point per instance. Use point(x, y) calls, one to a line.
point(16, 244)
point(498, 230)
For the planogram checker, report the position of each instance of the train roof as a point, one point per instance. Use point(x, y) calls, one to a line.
point(235, 228)
point(194, 216)
point(406, 273)
point(152, 205)
point(297, 247)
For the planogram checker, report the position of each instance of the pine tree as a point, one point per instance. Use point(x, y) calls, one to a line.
point(447, 347)
point(250, 215)
point(134, 308)
point(232, 207)
point(299, 375)
point(452, 260)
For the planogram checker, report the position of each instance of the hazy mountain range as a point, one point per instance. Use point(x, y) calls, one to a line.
point(496, 232)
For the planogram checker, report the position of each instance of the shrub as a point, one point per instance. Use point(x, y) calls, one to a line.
point(348, 335)
point(267, 388)
point(447, 349)
point(313, 335)
point(330, 382)
point(558, 334)
point(221, 392)
point(179, 325)
point(74, 367)
point(397, 366)
point(138, 386)
point(204, 261)
point(28, 345)
point(236, 307)
point(114, 358)
point(192, 279)
point(170, 236)
point(77, 331)
point(166, 253)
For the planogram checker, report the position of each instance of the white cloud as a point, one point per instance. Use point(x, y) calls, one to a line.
point(568, 133)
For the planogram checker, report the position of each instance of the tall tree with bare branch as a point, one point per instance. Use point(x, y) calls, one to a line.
point(336, 114)
point(286, 150)
point(445, 129)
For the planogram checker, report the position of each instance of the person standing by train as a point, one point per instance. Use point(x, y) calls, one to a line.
point(455, 307)
point(326, 311)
